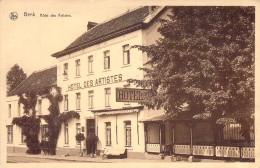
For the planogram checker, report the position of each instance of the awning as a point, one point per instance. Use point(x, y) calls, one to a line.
point(156, 118)
point(126, 110)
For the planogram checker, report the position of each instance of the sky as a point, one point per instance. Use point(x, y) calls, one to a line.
point(29, 41)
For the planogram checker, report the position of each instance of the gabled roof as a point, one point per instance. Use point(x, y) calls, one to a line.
point(37, 80)
point(132, 21)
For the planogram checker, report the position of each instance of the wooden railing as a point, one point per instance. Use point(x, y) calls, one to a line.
point(154, 148)
point(248, 152)
point(203, 150)
point(218, 151)
point(182, 149)
point(226, 151)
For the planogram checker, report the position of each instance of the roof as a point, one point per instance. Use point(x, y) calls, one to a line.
point(132, 20)
point(37, 80)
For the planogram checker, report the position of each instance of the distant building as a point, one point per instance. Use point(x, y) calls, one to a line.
point(44, 79)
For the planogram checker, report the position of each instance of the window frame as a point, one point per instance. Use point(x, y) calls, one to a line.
point(77, 62)
point(90, 62)
point(107, 97)
point(91, 99)
point(108, 137)
point(9, 110)
point(107, 65)
point(66, 71)
point(128, 132)
point(127, 56)
point(22, 136)
point(66, 102)
point(10, 136)
point(39, 106)
point(78, 99)
point(19, 109)
point(45, 129)
point(66, 133)
point(78, 130)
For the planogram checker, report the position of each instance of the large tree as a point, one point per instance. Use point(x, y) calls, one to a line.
point(14, 77)
point(204, 63)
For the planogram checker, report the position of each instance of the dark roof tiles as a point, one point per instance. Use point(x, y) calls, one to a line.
point(37, 81)
point(122, 22)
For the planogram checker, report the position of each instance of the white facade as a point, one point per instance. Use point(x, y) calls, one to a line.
point(95, 84)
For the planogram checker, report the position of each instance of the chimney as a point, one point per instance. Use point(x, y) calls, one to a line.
point(152, 9)
point(90, 25)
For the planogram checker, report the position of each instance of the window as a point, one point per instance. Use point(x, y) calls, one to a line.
point(66, 133)
point(9, 110)
point(22, 136)
point(77, 101)
point(65, 73)
point(9, 134)
point(107, 59)
point(128, 133)
point(90, 64)
point(19, 109)
point(108, 133)
point(66, 103)
point(107, 97)
point(40, 106)
point(91, 99)
point(44, 132)
point(78, 130)
point(126, 54)
point(78, 67)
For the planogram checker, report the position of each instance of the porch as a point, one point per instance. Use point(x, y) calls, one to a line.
point(196, 138)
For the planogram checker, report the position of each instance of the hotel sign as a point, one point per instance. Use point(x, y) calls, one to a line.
point(130, 94)
point(96, 82)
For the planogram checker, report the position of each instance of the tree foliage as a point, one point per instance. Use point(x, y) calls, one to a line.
point(29, 123)
point(204, 62)
point(14, 77)
point(54, 120)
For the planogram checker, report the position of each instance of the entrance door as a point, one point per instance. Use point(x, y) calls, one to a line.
point(90, 129)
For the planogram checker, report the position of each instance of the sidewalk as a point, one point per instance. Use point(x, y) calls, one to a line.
point(99, 159)
point(85, 158)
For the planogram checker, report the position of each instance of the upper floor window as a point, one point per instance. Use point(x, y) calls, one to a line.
point(9, 110)
point(91, 99)
point(19, 109)
point(65, 73)
point(78, 67)
point(39, 106)
point(126, 54)
point(9, 134)
point(78, 101)
point(107, 59)
point(66, 103)
point(107, 97)
point(90, 64)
